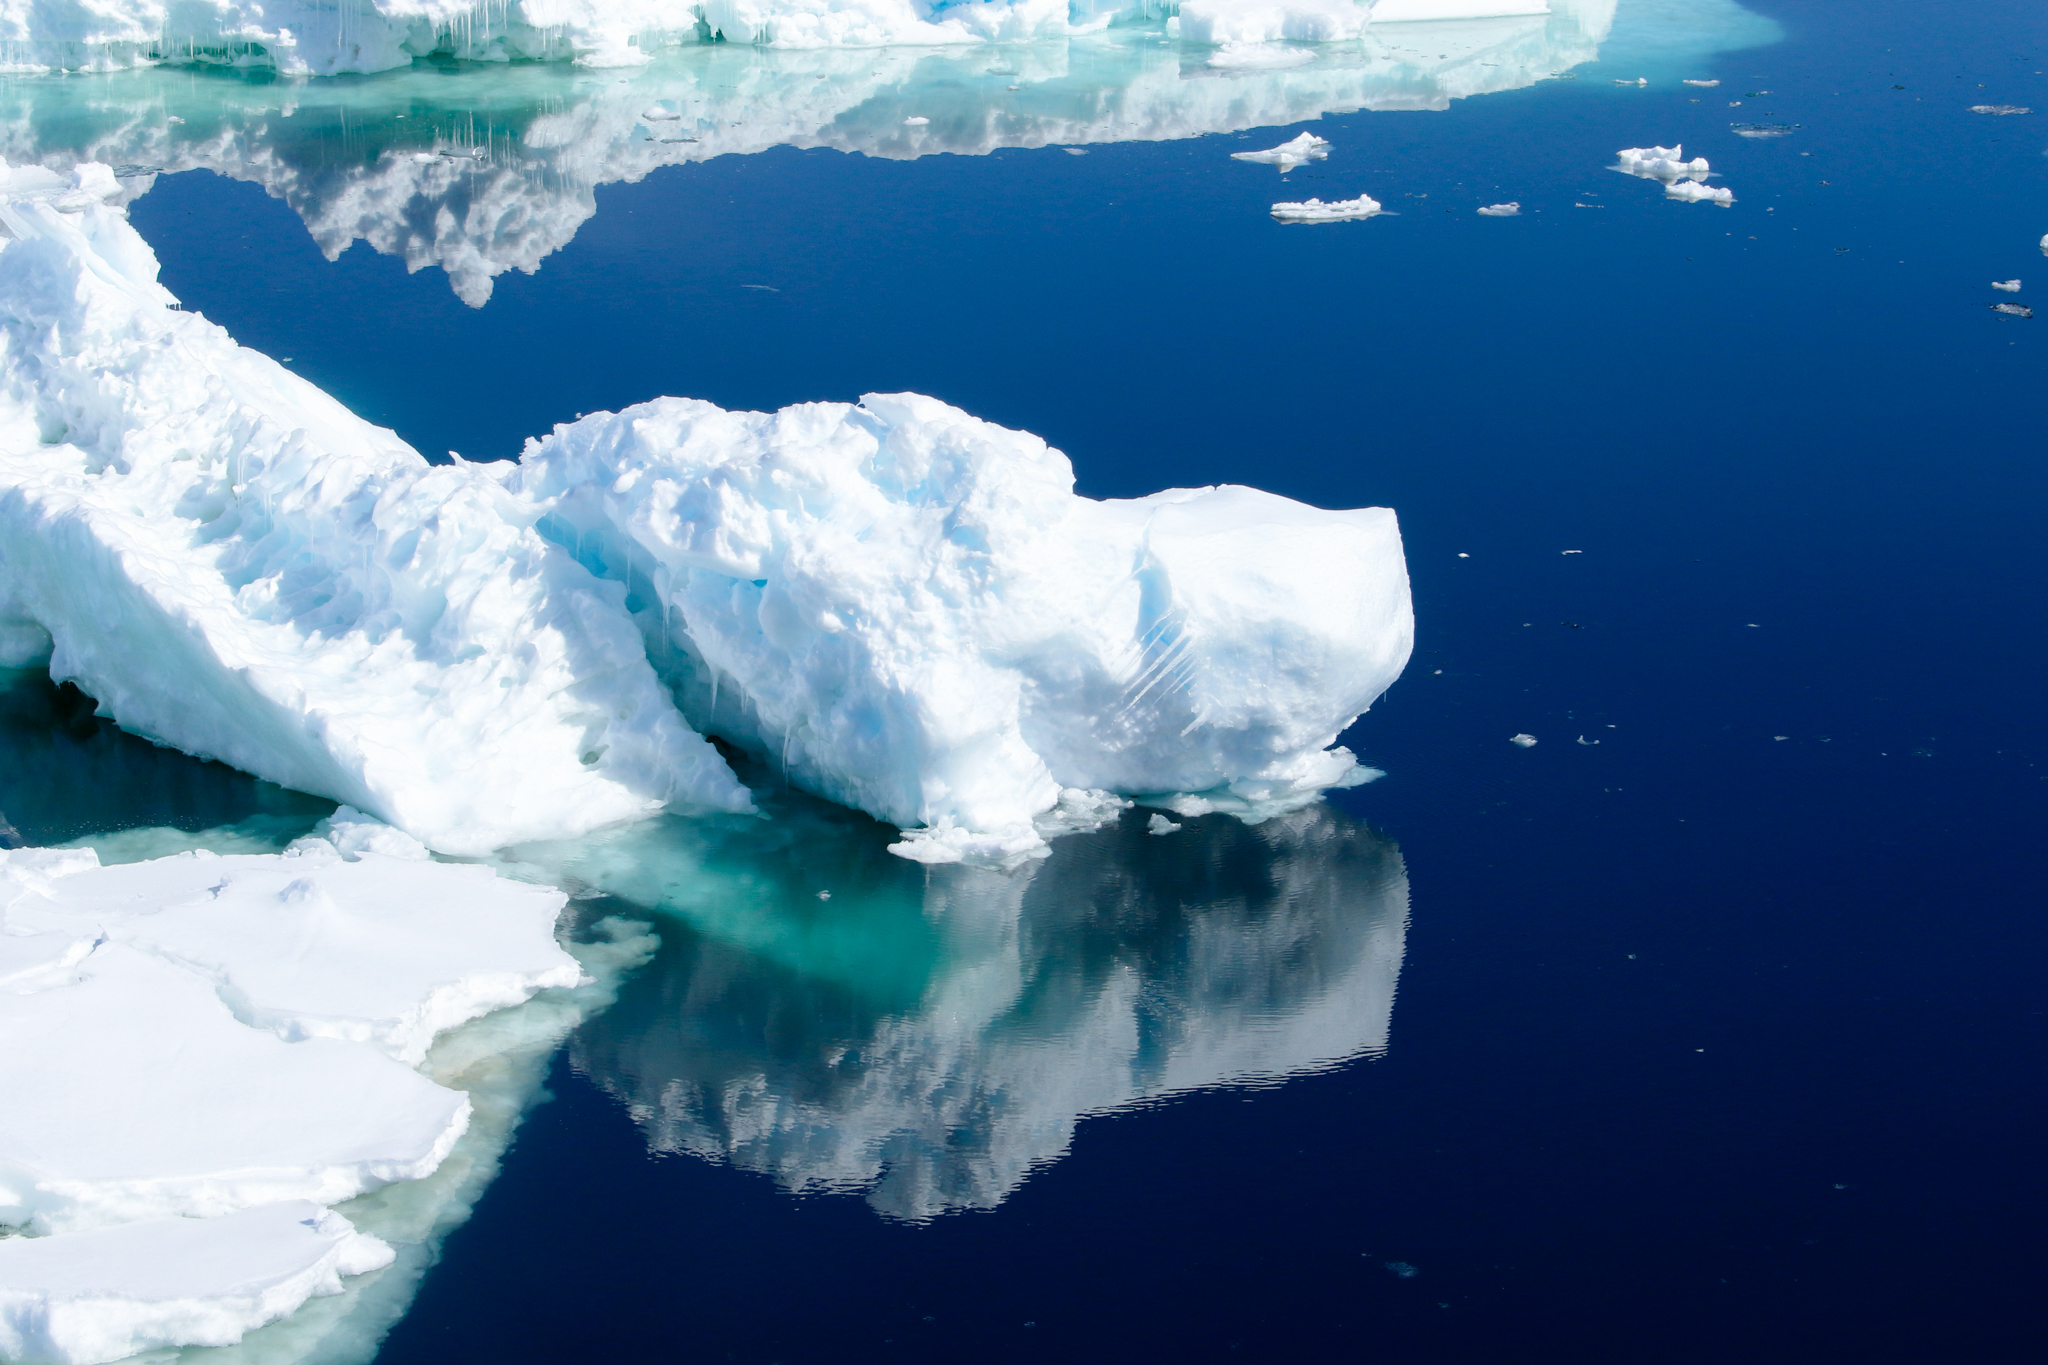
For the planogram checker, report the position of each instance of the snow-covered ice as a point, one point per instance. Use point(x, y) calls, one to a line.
point(907, 608)
point(201, 1054)
point(911, 612)
point(2009, 286)
point(233, 563)
point(1522, 741)
point(113, 1292)
point(1296, 151)
point(1704, 85)
point(1661, 163)
point(1693, 192)
point(1316, 211)
point(1510, 209)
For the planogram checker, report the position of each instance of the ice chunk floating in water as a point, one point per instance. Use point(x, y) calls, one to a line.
point(200, 1054)
point(1316, 211)
point(1294, 152)
point(1660, 163)
point(907, 608)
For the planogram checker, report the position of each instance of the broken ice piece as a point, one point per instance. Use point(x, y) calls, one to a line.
point(1075, 151)
point(2000, 109)
point(916, 121)
point(2009, 286)
point(1316, 211)
point(1507, 210)
point(1660, 163)
point(1754, 130)
point(655, 113)
point(1523, 741)
point(2018, 310)
point(1159, 824)
point(1693, 192)
point(1704, 85)
point(1297, 152)
point(1637, 81)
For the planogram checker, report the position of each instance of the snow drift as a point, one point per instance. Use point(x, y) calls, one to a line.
point(905, 606)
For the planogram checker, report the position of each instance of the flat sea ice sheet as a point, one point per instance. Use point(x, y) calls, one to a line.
point(200, 1054)
point(906, 607)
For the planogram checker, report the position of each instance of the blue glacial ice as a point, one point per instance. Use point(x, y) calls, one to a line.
point(905, 607)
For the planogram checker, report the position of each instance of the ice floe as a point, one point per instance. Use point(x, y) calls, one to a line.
point(1510, 209)
point(1523, 741)
point(1316, 211)
point(1763, 130)
point(203, 1054)
point(1296, 151)
point(2017, 310)
point(1693, 192)
point(2009, 286)
point(1660, 163)
point(907, 608)
point(2000, 109)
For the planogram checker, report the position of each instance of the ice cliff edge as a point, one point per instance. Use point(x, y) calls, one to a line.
point(907, 608)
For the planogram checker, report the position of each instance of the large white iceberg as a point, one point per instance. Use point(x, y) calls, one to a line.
point(201, 1055)
point(909, 609)
point(327, 37)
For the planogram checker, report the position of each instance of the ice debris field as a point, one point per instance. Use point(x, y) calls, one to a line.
point(202, 1055)
point(907, 609)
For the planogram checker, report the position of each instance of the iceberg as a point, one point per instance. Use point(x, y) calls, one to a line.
point(909, 609)
point(234, 564)
point(203, 1054)
point(1660, 163)
point(1692, 192)
point(1298, 151)
point(1511, 209)
point(1316, 211)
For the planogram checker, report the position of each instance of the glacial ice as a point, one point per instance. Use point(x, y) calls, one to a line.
point(907, 608)
point(556, 134)
point(233, 563)
point(1296, 151)
point(202, 1054)
point(1316, 211)
point(1508, 210)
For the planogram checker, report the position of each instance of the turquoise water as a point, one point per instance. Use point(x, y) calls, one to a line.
point(1699, 1031)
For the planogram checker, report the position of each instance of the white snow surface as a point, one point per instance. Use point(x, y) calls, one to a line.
point(906, 607)
point(113, 1292)
point(233, 563)
point(1316, 211)
point(1510, 209)
point(1660, 163)
point(911, 611)
point(329, 37)
point(1695, 193)
point(1296, 151)
point(200, 1054)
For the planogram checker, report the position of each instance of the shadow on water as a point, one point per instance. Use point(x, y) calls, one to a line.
point(845, 1021)
point(68, 774)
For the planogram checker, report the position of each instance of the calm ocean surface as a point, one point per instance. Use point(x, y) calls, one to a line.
point(1709, 1028)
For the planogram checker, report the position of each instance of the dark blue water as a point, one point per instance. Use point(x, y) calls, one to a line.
point(1718, 1036)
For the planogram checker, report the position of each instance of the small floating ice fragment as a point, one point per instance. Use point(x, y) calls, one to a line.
point(1316, 211)
point(1507, 210)
point(2009, 286)
point(1075, 151)
point(916, 121)
point(1637, 81)
point(1754, 130)
point(1693, 192)
point(1295, 152)
point(1522, 741)
point(655, 113)
point(1660, 163)
point(1704, 85)
point(1589, 743)
point(2000, 109)
point(1159, 824)
point(2018, 310)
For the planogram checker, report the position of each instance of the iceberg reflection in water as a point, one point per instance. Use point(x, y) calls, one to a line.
point(480, 172)
point(846, 1022)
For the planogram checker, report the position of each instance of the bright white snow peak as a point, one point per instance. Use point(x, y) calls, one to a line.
point(906, 607)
